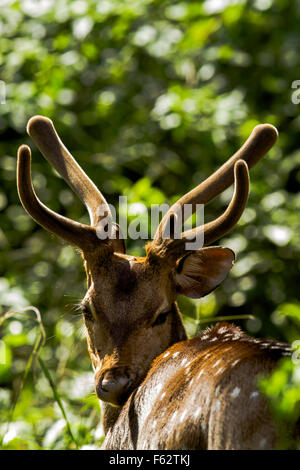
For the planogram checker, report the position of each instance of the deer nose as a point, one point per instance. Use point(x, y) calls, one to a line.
point(113, 387)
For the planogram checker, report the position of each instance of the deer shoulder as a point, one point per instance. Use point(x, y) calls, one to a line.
point(203, 394)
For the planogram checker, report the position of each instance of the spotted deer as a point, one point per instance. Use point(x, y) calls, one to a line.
point(160, 390)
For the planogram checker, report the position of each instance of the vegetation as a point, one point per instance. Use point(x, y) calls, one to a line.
point(150, 96)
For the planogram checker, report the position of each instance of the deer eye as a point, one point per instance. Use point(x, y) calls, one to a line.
point(87, 314)
point(161, 318)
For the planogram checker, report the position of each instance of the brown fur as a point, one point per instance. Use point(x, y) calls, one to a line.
point(202, 394)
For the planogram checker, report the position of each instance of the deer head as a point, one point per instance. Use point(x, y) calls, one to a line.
point(130, 309)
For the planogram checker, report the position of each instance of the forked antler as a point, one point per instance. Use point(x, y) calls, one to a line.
point(223, 224)
point(174, 247)
point(42, 131)
point(262, 138)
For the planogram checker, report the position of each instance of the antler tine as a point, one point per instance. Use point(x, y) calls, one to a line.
point(223, 224)
point(262, 138)
point(81, 235)
point(42, 131)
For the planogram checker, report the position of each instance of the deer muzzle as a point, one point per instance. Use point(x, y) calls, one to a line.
point(113, 386)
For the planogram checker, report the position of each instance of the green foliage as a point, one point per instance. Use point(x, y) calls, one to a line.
point(283, 392)
point(150, 96)
point(282, 388)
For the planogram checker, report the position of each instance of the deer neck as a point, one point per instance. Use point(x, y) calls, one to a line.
point(109, 415)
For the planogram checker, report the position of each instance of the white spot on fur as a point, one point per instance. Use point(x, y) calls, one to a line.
point(183, 416)
point(197, 412)
point(214, 339)
point(166, 355)
point(162, 396)
point(175, 354)
point(187, 370)
point(236, 337)
point(217, 405)
point(219, 370)
point(222, 329)
point(200, 373)
point(235, 392)
point(217, 363)
point(235, 362)
point(262, 443)
point(184, 361)
point(204, 337)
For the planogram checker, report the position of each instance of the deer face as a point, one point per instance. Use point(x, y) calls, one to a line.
point(130, 318)
point(129, 309)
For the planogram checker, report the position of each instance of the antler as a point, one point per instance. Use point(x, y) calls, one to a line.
point(211, 231)
point(257, 145)
point(223, 224)
point(42, 131)
point(80, 235)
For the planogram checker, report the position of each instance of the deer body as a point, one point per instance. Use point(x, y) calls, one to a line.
point(194, 383)
point(160, 390)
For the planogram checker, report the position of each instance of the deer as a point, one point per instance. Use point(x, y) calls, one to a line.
point(158, 389)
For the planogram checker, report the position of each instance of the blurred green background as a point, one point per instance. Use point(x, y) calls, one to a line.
point(150, 97)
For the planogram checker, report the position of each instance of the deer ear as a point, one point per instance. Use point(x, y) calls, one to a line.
point(198, 273)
